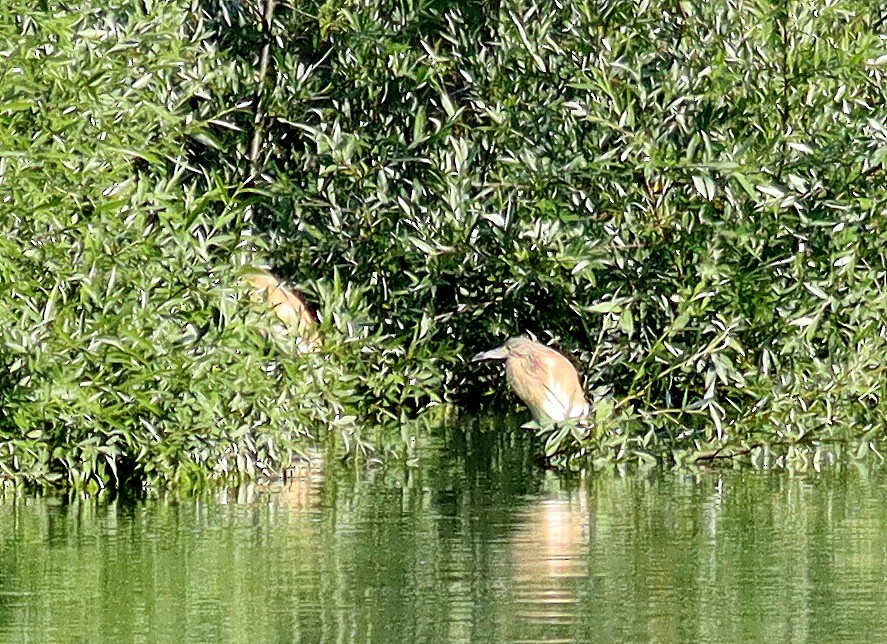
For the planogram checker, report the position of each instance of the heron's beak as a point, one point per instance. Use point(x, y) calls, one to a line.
point(499, 353)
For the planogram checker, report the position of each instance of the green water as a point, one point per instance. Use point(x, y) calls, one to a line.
point(475, 544)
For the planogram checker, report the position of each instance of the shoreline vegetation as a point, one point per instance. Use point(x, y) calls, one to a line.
point(688, 199)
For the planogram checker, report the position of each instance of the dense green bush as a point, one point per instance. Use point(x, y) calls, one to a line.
point(129, 352)
point(691, 192)
point(688, 195)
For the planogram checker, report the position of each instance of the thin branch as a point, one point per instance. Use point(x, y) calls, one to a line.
point(264, 65)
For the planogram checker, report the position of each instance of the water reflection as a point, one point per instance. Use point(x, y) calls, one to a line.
point(477, 544)
point(549, 550)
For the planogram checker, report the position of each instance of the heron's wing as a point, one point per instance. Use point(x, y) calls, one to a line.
point(564, 397)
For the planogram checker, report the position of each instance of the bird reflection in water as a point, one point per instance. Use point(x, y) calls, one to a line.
point(298, 489)
point(550, 553)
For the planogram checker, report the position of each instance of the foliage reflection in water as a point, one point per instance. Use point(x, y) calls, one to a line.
point(477, 544)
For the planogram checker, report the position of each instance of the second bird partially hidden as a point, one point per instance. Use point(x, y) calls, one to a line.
point(544, 379)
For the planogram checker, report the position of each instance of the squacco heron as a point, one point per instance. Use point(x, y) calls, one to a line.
point(544, 379)
point(289, 306)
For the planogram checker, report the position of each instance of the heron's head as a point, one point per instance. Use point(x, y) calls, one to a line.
point(512, 346)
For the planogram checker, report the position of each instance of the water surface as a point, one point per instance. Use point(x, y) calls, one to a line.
point(475, 544)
